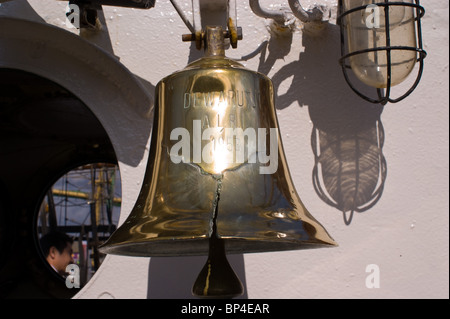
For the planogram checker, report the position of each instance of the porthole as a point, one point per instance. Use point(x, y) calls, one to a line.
point(57, 111)
point(46, 133)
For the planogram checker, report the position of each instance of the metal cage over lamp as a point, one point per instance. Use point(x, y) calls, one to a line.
point(381, 41)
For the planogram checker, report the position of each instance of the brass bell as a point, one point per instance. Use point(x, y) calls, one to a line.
point(217, 180)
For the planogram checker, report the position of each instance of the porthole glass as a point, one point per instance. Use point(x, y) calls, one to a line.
point(78, 213)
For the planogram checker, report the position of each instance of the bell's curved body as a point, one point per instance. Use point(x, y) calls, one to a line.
point(216, 166)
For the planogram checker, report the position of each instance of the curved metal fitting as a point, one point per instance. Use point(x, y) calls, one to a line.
point(319, 13)
point(279, 17)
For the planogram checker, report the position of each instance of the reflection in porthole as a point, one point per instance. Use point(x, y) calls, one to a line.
point(79, 212)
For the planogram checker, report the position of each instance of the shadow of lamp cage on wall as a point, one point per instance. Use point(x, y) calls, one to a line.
point(347, 139)
point(381, 43)
point(217, 179)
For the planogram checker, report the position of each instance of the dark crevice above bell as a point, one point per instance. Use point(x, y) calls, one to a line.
point(215, 209)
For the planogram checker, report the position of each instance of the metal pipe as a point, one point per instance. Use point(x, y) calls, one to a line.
point(314, 15)
point(197, 17)
point(182, 16)
point(279, 17)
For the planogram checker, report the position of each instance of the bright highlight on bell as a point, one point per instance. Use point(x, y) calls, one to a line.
point(224, 204)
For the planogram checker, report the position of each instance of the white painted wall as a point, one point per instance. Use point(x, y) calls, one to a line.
point(406, 232)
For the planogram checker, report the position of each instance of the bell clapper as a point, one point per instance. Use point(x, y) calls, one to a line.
point(217, 279)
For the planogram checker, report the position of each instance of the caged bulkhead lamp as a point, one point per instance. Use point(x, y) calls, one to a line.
point(381, 42)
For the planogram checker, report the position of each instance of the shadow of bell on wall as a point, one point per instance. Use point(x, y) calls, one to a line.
point(172, 277)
